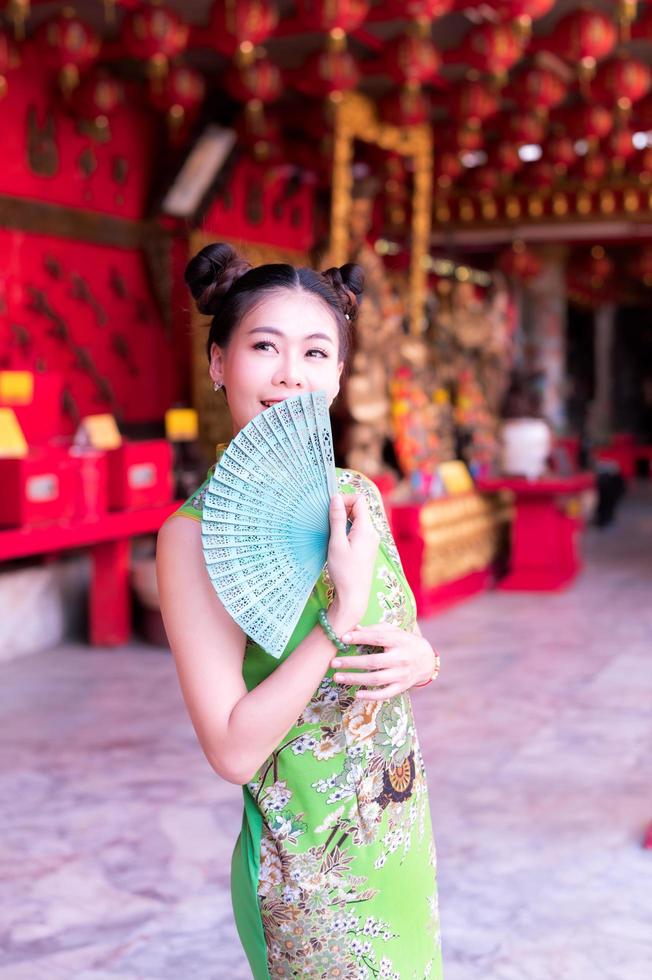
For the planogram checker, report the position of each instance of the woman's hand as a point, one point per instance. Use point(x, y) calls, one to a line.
point(351, 557)
point(407, 659)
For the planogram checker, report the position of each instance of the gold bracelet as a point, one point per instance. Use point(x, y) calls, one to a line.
point(434, 673)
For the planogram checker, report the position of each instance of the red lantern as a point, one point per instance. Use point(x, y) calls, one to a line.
point(590, 169)
point(180, 95)
point(519, 262)
point(538, 90)
point(327, 74)
point(521, 12)
point(412, 60)
point(342, 16)
point(590, 122)
point(512, 9)
point(97, 96)
point(559, 152)
point(619, 147)
point(260, 79)
point(154, 34)
point(405, 107)
point(460, 139)
point(621, 81)
point(539, 174)
point(582, 38)
point(260, 135)
point(594, 270)
point(473, 102)
point(524, 128)
point(492, 48)
point(447, 168)
point(482, 179)
point(504, 157)
point(426, 10)
point(241, 25)
point(69, 47)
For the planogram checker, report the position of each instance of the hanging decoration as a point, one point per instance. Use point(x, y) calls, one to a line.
point(97, 97)
point(620, 82)
point(473, 102)
point(590, 277)
point(492, 49)
point(179, 96)
point(17, 13)
point(537, 90)
point(411, 60)
point(519, 262)
point(523, 127)
point(69, 47)
point(582, 38)
point(237, 27)
point(559, 152)
point(156, 35)
point(327, 74)
point(448, 167)
point(520, 12)
point(405, 107)
point(334, 17)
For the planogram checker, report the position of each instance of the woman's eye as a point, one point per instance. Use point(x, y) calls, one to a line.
point(264, 345)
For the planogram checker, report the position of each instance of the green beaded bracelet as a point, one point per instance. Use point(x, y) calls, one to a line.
point(330, 632)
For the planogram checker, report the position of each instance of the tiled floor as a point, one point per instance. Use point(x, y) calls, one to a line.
point(116, 836)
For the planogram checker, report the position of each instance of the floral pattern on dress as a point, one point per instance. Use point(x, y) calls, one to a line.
point(334, 843)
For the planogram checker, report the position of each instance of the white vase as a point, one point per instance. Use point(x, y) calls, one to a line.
point(526, 445)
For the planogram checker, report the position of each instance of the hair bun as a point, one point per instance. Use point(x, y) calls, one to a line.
point(210, 274)
point(348, 283)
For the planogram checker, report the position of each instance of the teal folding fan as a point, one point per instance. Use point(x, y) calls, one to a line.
point(265, 524)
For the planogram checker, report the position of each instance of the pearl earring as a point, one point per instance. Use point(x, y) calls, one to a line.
point(217, 385)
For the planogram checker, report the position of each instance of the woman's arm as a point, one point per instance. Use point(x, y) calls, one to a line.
point(237, 730)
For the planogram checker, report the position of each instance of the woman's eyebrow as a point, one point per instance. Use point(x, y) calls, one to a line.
point(310, 336)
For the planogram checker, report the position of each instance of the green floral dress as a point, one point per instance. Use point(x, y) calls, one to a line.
point(334, 871)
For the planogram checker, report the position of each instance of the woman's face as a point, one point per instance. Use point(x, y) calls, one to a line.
point(286, 345)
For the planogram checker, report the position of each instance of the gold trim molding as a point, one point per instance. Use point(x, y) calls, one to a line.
point(356, 119)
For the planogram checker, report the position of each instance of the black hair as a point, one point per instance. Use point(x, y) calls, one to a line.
point(225, 286)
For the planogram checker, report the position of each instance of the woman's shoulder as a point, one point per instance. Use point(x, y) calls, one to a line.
point(194, 505)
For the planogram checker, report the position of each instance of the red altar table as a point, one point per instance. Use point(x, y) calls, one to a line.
point(544, 552)
point(107, 540)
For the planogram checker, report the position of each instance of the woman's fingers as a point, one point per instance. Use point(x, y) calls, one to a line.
point(374, 636)
point(376, 679)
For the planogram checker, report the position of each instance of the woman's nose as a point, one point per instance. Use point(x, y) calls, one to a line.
point(289, 373)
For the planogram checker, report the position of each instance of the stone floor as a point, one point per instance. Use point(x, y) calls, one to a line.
point(116, 836)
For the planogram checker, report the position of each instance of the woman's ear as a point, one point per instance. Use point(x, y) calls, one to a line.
point(216, 369)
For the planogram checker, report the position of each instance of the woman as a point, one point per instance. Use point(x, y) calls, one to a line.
point(333, 874)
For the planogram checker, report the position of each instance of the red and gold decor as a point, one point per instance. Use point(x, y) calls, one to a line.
point(405, 107)
point(411, 60)
point(537, 90)
point(179, 96)
point(156, 35)
point(327, 74)
point(334, 17)
point(582, 38)
point(473, 102)
point(620, 82)
point(519, 262)
point(491, 48)
point(96, 99)
point(237, 27)
point(68, 47)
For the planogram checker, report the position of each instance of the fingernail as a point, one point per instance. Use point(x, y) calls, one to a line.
point(336, 663)
point(346, 637)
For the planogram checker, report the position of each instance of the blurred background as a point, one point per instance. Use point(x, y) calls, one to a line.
point(489, 164)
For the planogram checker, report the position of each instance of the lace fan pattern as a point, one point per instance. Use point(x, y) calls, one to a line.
point(265, 525)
